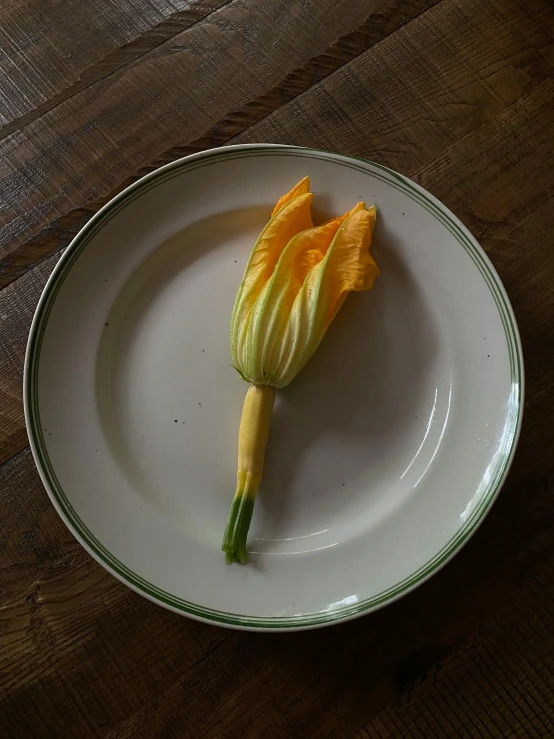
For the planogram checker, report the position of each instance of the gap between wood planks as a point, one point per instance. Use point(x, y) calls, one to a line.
point(159, 34)
point(319, 68)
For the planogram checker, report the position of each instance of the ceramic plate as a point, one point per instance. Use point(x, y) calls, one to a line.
point(385, 453)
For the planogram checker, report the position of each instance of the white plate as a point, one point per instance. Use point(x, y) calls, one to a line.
point(385, 453)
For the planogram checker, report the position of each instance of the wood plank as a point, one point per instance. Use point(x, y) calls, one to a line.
point(497, 683)
point(248, 54)
point(17, 306)
point(49, 50)
point(422, 89)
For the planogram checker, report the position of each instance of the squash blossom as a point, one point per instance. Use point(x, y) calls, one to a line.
point(296, 279)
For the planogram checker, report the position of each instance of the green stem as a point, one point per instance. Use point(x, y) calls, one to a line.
point(238, 523)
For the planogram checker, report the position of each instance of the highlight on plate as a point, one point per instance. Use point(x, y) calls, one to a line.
point(295, 282)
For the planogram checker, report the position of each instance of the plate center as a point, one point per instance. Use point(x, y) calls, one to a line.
point(352, 437)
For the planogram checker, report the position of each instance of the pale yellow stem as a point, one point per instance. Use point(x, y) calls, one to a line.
point(253, 436)
point(254, 429)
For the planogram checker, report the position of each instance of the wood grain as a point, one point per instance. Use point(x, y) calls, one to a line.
point(17, 307)
point(166, 95)
point(20, 249)
point(51, 50)
point(362, 108)
point(457, 94)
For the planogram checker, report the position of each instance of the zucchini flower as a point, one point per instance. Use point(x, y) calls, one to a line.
point(296, 279)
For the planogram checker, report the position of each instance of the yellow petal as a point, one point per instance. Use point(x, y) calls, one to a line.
point(292, 217)
point(347, 266)
point(300, 189)
point(271, 311)
point(355, 209)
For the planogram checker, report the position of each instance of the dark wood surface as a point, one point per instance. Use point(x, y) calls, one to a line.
point(457, 94)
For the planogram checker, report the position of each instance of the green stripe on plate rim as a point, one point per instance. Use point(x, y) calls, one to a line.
point(109, 211)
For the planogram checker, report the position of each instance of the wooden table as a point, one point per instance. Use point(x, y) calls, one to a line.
point(457, 94)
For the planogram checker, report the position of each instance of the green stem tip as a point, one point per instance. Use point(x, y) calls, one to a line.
point(236, 531)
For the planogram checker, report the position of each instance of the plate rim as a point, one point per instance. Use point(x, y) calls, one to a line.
point(234, 620)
